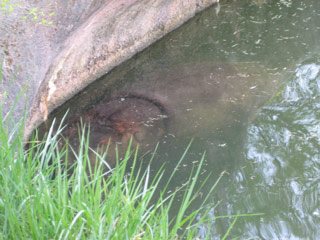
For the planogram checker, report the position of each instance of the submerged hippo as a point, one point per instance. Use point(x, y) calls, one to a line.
point(192, 100)
point(112, 124)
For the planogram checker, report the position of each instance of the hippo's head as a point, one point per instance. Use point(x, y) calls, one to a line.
point(113, 123)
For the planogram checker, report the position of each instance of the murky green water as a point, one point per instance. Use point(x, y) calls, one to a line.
point(278, 173)
point(262, 126)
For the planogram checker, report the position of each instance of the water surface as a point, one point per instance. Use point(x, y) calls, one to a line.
point(263, 125)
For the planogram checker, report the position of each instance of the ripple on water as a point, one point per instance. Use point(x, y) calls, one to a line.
point(283, 156)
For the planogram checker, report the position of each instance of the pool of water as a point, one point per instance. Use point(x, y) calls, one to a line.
point(278, 174)
point(280, 164)
point(262, 125)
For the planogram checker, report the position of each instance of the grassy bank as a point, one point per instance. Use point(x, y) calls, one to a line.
point(39, 201)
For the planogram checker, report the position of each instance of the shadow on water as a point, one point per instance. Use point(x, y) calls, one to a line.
point(236, 79)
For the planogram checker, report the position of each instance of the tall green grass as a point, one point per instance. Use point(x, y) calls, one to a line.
point(40, 200)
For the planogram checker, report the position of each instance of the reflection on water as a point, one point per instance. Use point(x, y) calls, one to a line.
point(281, 174)
point(272, 155)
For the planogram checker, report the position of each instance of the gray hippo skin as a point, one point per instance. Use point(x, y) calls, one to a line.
point(187, 101)
point(87, 39)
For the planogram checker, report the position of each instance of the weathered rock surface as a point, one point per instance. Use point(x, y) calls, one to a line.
point(86, 40)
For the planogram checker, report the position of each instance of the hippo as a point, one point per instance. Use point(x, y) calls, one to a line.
point(187, 101)
point(85, 46)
